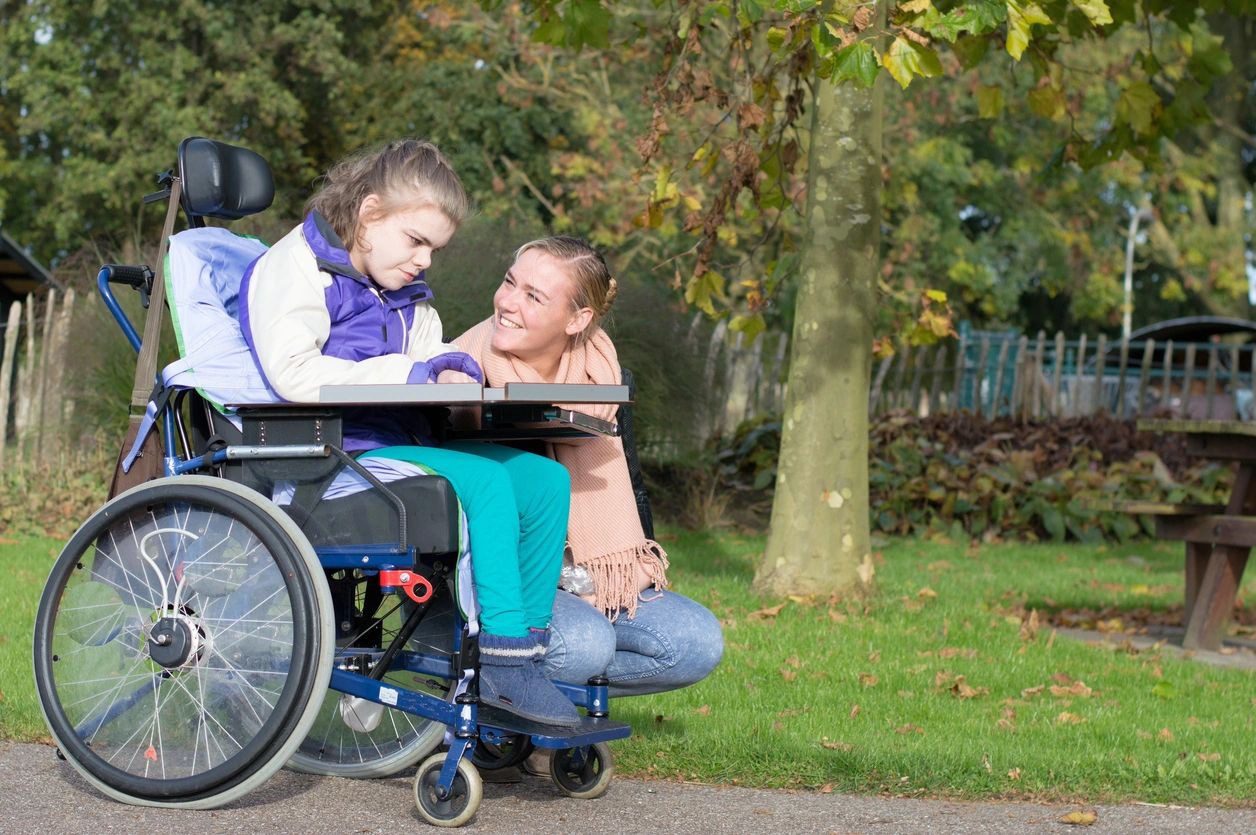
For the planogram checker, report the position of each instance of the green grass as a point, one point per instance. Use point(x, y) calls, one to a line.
point(865, 696)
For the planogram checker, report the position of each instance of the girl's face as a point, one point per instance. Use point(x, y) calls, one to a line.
point(395, 248)
point(534, 316)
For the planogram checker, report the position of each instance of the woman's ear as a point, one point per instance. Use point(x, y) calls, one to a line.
point(579, 321)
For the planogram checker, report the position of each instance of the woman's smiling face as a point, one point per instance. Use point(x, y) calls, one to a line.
point(534, 317)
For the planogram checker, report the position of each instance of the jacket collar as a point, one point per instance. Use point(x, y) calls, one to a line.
point(331, 256)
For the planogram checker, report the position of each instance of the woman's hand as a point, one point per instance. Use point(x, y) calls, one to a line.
point(452, 376)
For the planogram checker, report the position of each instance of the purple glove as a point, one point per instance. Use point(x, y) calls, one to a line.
point(426, 372)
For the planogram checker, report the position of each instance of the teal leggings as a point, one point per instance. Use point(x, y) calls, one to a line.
point(516, 505)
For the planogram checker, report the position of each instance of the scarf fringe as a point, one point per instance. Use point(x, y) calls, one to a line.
point(615, 577)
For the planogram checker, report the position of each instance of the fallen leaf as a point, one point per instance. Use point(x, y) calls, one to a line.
point(1060, 678)
point(963, 691)
point(944, 678)
point(926, 593)
point(794, 661)
point(1165, 734)
point(769, 612)
point(854, 711)
point(788, 674)
point(874, 656)
point(1208, 758)
point(909, 729)
point(868, 679)
point(1029, 626)
point(834, 745)
point(827, 788)
point(1014, 774)
point(1077, 688)
point(1030, 692)
point(954, 652)
point(705, 710)
point(836, 616)
point(1086, 818)
point(1164, 689)
point(1067, 718)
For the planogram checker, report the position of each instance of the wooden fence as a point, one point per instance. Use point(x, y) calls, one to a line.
point(1009, 374)
point(35, 411)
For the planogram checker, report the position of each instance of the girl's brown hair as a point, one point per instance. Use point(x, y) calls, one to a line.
point(404, 174)
point(594, 286)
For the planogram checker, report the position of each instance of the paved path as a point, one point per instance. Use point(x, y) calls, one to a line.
point(41, 793)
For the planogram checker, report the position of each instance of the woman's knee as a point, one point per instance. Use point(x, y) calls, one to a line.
point(582, 640)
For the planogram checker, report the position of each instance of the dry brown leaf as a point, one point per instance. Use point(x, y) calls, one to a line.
point(1081, 818)
point(1077, 688)
point(944, 678)
point(1014, 774)
point(854, 711)
point(1165, 734)
point(788, 674)
point(1208, 758)
point(705, 710)
point(1067, 718)
point(874, 656)
point(955, 652)
point(963, 691)
point(834, 745)
point(926, 593)
point(909, 729)
point(769, 612)
point(1029, 626)
point(827, 788)
point(836, 616)
point(794, 661)
point(1030, 692)
point(868, 679)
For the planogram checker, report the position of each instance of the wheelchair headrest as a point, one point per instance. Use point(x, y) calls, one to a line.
point(223, 181)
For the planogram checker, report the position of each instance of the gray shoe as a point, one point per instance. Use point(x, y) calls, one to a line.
point(511, 681)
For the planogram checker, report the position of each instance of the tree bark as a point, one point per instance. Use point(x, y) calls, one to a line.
point(818, 542)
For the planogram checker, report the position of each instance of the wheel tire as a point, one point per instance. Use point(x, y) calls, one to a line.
point(333, 749)
point(584, 772)
point(464, 797)
point(489, 756)
point(183, 643)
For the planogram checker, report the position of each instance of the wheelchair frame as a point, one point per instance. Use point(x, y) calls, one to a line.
point(297, 443)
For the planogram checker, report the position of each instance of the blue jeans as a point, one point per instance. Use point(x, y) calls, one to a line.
point(671, 643)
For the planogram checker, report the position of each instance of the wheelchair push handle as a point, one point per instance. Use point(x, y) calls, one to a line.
point(141, 277)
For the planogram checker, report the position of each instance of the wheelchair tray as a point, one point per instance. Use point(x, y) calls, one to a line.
point(588, 732)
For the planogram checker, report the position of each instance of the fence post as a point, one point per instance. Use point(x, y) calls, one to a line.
point(6, 372)
point(1120, 379)
point(1149, 348)
point(939, 364)
point(1075, 400)
point(1188, 375)
point(900, 377)
point(883, 370)
point(1166, 386)
point(917, 377)
point(1020, 394)
point(998, 378)
point(1098, 402)
point(960, 358)
point(1058, 376)
point(1211, 385)
point(982, 356)
point(25, 415)
point(1036, 377)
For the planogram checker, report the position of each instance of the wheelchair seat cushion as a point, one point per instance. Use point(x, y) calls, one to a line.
point(369, 518)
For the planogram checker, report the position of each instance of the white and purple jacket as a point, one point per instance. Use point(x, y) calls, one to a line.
point(312, 320)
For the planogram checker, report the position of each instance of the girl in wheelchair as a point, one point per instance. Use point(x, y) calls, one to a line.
point(342, 299)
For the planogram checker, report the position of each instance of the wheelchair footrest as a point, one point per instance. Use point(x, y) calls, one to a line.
point(588, 732)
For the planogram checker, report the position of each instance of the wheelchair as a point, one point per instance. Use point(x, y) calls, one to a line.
point(270, 600)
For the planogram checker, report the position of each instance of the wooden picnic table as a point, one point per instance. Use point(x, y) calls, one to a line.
point(1219, 538)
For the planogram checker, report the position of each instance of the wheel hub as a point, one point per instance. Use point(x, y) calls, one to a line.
point(174, 640)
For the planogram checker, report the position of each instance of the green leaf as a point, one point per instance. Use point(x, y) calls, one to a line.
point(1096, 11)
point(970, 50)
point(776, 37)
point(751, 325)
point(857, 62)
point(980, 16)
point(703, 289)
point(1164, 689)
point(1020, 16)
point(1138, 106)
point(1047, 102)
point(906, 59)
point(989, 101)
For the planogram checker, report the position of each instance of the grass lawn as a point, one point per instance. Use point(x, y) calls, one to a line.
point(938, 685)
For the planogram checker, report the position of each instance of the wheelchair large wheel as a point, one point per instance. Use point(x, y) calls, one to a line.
point(364, 740)
point(183, 643)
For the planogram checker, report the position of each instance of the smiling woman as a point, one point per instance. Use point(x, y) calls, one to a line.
point(545, 328)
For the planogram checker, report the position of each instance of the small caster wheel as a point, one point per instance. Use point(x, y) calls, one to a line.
point(464, 796)
point(583, 772)
point(489, 756)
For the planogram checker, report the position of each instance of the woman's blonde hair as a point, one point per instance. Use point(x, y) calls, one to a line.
point(404, 174)
point(594, 286)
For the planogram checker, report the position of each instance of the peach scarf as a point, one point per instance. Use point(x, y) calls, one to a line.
point(603, 531)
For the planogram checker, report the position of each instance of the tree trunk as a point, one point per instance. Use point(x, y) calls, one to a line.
point(818, 542)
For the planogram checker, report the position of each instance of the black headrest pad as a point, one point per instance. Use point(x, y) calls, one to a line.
point(223, 181)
